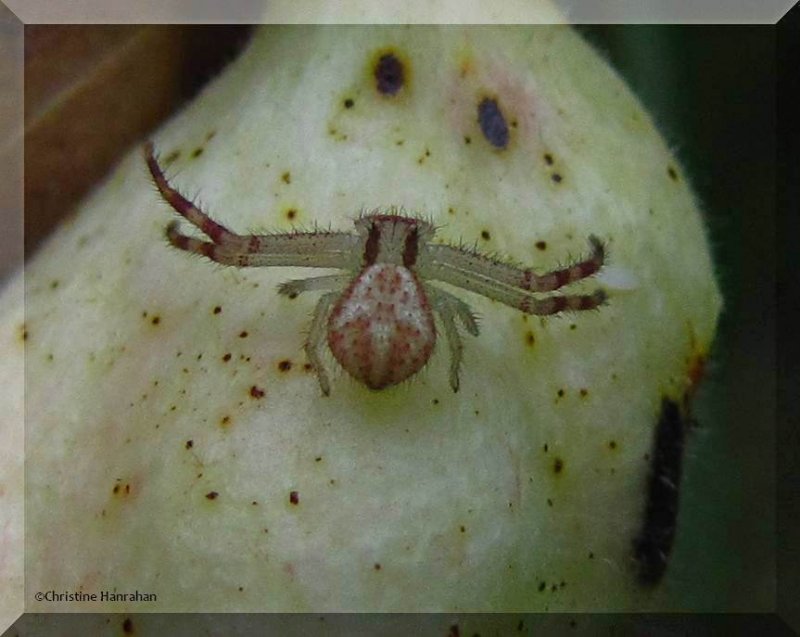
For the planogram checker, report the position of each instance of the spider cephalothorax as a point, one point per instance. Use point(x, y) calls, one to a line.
point(377, 317)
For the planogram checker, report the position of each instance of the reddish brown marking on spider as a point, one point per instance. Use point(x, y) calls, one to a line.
point(377, 317)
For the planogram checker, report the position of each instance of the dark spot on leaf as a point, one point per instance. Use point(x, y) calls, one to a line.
point(454, 631)
point(156, 320)
point(294, 497)
point(548, 159)
point(226, 357)
point(612, 444)
point(226, 420)
point(349, 103)
point(285, 365)
point(389, 74)
point(467, 139)
point(127, 626)
point(673, 174)
point(291, 213)
point(377, 566)
point(653, 545)
point(560, 393)
point(197, 151)
point(256, 392)
point(556, 178)
point(583, 392)
point(530, 339)
point(54, 284)
point(558, 465)
point(189, 444)
point(485, 235)
point(212, 495)
point(542, 586)
point(243, 334)
point(172, 157)
point(217, 309)
point(541, 245)
point(287, 177)
point(493, 123)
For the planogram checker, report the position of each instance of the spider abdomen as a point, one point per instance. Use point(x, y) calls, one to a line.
point(381, 330)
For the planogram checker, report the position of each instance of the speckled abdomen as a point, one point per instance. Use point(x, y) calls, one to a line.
point(381, 330)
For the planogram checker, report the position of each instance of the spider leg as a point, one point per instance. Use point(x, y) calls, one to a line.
point(453, 265)
point(459, 308)
point(317, 339)
point(328, 282)
point(305, 249)
point(448, 307)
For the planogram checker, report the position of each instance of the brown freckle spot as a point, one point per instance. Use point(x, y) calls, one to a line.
point(542, 586)
point(435, 401)
point(591, 555)
point(462, 528)
point(241, 588)
point(318, 459)
point(54, 284)
point(243, 334)
point(225, 421)
point(294, 497)
point(485, 235)
point(254, 503)
point(558, 465)
point(377, 566)
point(530, 339)
point(127, 626)
point(227, 357)
point(287, 177)
point(307, 367)
point(291, 213)
point(549, 502)
point(548, 159)
point(467, 139)
point(189, 444)
point(583, 392)
point(156, 320)
point(541, 245)
point(389, 74)
point(212, 495)
point(560, 393)
point(545, 447)
point(256, 392)
point(349, 103)
point(556, 177)
point(573, 326)
point(673, 174)
point(197, 151)
point(285, 365)
point(217, 309)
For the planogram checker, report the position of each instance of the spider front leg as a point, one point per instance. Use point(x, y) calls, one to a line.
point(305, 249)
point(513, 286)
point(448, 307)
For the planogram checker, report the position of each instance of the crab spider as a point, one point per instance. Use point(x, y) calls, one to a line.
point(377, 316)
